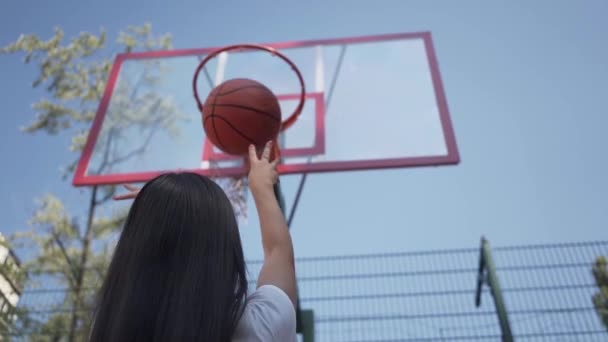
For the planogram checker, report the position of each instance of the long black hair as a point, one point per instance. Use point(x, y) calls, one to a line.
point(178, 271)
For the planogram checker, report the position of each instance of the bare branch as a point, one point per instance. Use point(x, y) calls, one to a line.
point(106, 197)
point(64, 252)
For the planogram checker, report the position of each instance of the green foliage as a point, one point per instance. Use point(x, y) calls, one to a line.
point(66, 75)
point(71, 251)
point(56, 237)
point(600, 299)
point(74, 75)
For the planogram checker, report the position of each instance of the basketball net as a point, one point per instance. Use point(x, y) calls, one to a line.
point(236, 189)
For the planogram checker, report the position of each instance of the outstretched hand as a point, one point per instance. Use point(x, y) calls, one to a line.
point(263, 173)
point(133, 191)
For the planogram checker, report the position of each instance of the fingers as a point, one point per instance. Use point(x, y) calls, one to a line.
point(253, 155)
point(267, 150)
point(274, 163)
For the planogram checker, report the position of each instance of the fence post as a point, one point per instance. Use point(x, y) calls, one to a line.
point(308, 331)
point(487, 274)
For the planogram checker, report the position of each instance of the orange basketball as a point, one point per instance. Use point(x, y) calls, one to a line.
point(240, 112)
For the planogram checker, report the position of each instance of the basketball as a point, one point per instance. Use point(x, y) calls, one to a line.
point(240, 112)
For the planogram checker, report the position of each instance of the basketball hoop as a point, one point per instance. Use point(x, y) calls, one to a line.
point(294, 116)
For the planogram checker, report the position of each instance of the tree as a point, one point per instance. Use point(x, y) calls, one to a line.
point(71, 251)
point(600, 299)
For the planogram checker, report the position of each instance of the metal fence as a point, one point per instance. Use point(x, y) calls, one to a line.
point(430, 295)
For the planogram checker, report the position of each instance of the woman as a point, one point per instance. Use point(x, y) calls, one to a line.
point(178, 272)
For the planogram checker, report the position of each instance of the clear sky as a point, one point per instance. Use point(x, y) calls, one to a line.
point(525, 83)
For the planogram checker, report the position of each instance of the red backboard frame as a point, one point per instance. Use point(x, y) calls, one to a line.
point(452, 157)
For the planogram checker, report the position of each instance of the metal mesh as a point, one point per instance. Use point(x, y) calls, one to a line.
point(430, 295)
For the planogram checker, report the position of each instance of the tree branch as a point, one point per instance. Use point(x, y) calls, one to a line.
point(105, 198)
point(86, 241)
point(138, 150)
point(153, 130)
point(64, 252)
point(106, 152)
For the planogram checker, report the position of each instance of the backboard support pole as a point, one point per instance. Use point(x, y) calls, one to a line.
point(308, 320)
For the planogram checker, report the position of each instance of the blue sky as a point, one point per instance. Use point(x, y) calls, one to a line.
point(525, 84)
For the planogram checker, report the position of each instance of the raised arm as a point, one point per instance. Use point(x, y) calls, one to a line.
point(279, 266)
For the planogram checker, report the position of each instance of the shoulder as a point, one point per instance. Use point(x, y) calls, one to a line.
point(269, 315)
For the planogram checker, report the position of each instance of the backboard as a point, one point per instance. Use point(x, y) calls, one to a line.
point(372, 102)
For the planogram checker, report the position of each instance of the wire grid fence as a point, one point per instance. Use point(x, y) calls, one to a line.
point(430, 295)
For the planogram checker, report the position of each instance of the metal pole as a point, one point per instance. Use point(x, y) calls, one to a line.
point(491, 278)
point(308, 333)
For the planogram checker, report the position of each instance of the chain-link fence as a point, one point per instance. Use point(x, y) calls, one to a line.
point(430, 295)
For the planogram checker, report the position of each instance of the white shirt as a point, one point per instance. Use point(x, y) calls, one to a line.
point(269, 316)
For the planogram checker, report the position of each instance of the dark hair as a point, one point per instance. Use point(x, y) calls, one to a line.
point(178, 271)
